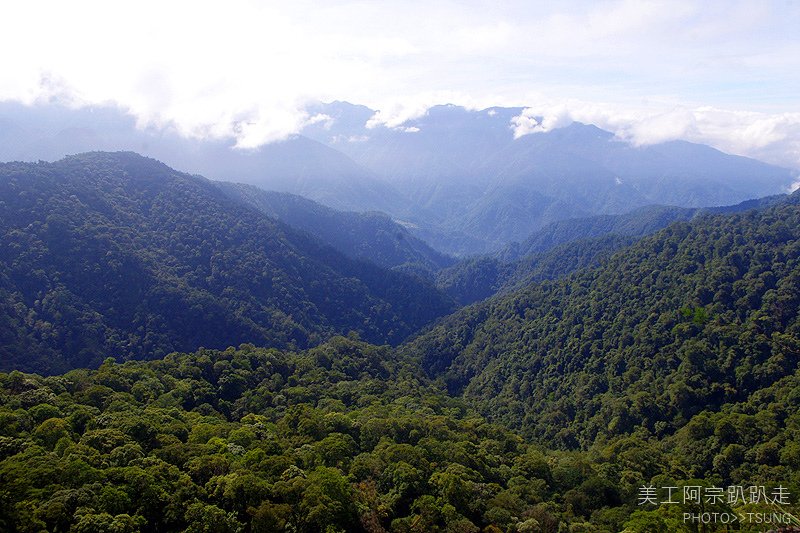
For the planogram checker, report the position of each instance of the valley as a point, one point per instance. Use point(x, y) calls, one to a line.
point(187, 354)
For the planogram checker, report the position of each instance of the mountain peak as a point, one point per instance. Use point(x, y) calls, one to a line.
point(133, 165)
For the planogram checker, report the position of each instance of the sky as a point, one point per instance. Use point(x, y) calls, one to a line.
point(722, 73)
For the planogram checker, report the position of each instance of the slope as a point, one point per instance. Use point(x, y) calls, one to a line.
point(477, 278)
point(695, 316)
point(467, 167)
point(118, 254)
point(369, 236)
point(457, 178)
point(348, 437)
point(565, 246)
point(298, 164)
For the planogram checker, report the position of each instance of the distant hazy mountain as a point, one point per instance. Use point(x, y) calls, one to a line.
point(467, 167)
point(114, 254)
point(370, 236)
point(298, 165)
point(454, 177)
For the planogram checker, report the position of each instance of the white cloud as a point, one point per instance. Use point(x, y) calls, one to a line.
point(771, 137)
point(395, 114)
point(540, 120)
point(725, 71)
point(674, 124)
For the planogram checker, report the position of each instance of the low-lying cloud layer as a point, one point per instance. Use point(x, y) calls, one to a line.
point(726, 73)
point(771, 137)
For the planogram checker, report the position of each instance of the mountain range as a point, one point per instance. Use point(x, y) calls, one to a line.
point(568, 245)
point(369, 235)
point(182, 354)
point(456, 178)
point(669, 361)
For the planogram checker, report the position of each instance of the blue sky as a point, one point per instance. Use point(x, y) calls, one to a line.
point(723, 73)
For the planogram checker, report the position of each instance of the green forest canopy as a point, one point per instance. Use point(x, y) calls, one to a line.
point(672, 363)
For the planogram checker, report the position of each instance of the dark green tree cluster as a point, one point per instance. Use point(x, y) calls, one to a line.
point(118, 255)
point(695, 317)
point(343, 437)
point(371, 236)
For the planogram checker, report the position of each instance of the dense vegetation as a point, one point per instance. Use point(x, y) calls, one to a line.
point(566, 246)
point(672, 362)
point(370, 236)
point(342, 437)
point(637, 223)
point(115, 254)
point(698, 316)
point(478, 278)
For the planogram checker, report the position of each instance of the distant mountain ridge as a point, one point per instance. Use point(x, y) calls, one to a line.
point(566, 246)
point(456, 178)
point(467, 167)
point(636, 223)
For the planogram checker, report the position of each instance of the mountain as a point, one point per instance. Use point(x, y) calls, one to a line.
point(583, 169)
point(563, 247)
point(456, 178)
point(369, 236)
point(637, 223)
point(298, 165)
point(114, 253)
point(347, 436)
point(437, 159)
point(605, 367)
point(697, 316)
point(467, 167)
point(477, 278)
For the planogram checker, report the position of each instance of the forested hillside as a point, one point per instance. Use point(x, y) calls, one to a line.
point(369, 236)
point(697, 316)
point(637, 223)
point(474, 279)
point(113, 254)
point(565, 246)
point(671, 362)
point(345, 437)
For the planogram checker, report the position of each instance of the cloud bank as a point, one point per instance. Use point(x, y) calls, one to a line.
point(727, 72)
point(771, 137)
